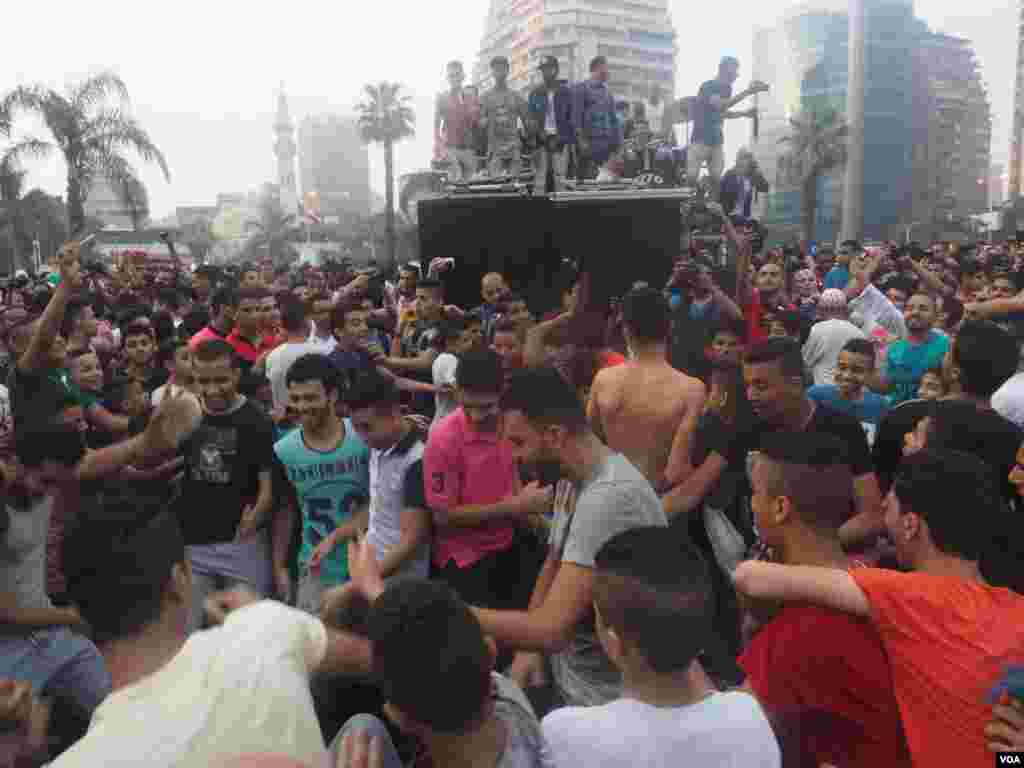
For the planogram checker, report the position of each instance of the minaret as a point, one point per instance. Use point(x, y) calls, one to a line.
point(284, 149)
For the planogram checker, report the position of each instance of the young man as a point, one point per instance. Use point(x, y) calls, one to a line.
point(828, 336)
point(909, 358)
point(551, 127)
point(203, 282)
point(455, 338)
point(604, 494)
point(242, 688)
point(223, 307)
point(249, 338)
point(455, 118)
point(652, 601)
point(501, 109)
point(139, 345)
point(839, 276)
point(947, 634)
point(713, 106)
point(645, 409)
point(849, 393)
point(321, 311)
point(425, 640)
point(509, 342)
point(774, 374)
point(226, 499)
point(327, 463)
point(821, 675)
point(474, 492)
point(399, 519)
point(79, 327)
point(413, 349)
point(296, 344)
point(598, 127)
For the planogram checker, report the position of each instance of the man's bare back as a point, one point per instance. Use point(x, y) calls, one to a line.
point(648, 411)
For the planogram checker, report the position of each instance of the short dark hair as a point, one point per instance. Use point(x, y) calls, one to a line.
point(811, 469)
point(941, 487)
point(986, 355)
point(543, 396)
point(372, 389)
point(224, 296)
point(654, 588)
point(448, 330)
point(167, 352)
point(431, 285)
point(194, 322)
point(293, 314)
point(496, 60)
point(454, 63)
point(313, 367)
point(217, 349)
point(861, 347)
point(645, 314)
point(598, 61)
point(480, 370)
point(784, 351)
point(425, 640)
point(44, 439)
point(341, 311)
point(118, 560)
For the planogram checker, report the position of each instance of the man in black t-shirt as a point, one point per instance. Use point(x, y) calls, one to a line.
point(773, 373)
point(226, 500)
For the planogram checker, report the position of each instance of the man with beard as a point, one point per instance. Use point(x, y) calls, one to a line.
point(226, 500)
point(328, 465)
point(602, 496)
point(923, 349)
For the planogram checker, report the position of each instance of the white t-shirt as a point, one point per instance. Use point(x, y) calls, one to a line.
point(725, 730)
point(1008, 401)
point(280, 360)
point(550, 125)
point(239, 689)
point(443, 370)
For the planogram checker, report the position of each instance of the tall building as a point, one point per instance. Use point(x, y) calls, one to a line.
point(927, 123)
point(284, 150)
point(335, 163)
point(636, 36)
point(1017, 135)
point(953, 151)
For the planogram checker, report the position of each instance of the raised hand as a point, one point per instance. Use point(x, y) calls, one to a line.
point(364, 569)
point(176, 418)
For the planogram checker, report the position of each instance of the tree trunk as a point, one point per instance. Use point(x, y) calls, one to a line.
point(76, 205)
point(808, 208)
point(389, 198)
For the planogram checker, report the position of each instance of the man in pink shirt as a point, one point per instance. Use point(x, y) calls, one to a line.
point(474, 493)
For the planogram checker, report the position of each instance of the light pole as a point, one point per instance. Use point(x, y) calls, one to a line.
point(910, 228)
point(853, 179)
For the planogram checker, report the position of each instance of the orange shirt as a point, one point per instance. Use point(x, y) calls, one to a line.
point(948, 642)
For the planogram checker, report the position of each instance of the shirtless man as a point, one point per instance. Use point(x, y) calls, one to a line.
point(646, 409)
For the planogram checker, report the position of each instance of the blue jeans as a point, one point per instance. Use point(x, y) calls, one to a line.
point(57, 661)
point(376, 729)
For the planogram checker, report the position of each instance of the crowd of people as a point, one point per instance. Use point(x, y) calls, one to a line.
point(765, 516)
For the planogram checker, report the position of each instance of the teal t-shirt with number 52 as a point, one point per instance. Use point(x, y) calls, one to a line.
point(328, 484)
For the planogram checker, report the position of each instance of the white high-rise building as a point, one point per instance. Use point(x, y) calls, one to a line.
point(636, 36)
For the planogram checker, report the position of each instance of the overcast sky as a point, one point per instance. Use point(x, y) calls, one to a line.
point(203, 75)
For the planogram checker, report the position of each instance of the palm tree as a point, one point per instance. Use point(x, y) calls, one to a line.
point(12, 181)
point(274, 234)
point(92, 136)
point(817, 146)
point(385, 117)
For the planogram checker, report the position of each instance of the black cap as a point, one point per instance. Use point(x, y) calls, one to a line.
point(548, 61)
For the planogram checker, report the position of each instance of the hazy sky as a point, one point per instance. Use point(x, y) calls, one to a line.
point(203, 75)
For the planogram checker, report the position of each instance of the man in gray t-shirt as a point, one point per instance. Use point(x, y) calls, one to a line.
point(603, 494)
point(501, 110)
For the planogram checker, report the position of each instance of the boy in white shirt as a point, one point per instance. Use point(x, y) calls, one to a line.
point(652, 600)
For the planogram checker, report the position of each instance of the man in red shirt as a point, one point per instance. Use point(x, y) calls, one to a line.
point(249, 338)
point(821, 675)
point(948, 635)
point(459, 113)
point(473, 490)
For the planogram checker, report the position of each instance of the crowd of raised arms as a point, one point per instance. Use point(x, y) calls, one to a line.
point(765, 516)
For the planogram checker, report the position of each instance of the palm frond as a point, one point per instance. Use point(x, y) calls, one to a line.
point(26, 148)
point(127, 135)
point(96, 89)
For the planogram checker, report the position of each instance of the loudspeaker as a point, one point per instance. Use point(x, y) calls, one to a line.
point(487, 233)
